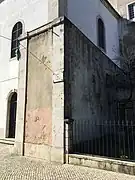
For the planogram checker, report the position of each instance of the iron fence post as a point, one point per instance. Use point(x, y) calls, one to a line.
point(68, 139)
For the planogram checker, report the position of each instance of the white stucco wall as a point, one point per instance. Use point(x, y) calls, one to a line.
point(84, 15)
point(32, 13)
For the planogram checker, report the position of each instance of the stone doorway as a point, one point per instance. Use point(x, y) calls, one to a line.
point(12, 106)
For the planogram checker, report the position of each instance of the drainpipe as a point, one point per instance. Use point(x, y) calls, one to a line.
point(26, 80)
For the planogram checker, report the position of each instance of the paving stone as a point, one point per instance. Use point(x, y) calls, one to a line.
point(23, 168)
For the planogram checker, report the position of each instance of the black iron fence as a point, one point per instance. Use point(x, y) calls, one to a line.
point(115, 140)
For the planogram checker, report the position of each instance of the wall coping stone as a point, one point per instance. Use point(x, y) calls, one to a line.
point(103, 163)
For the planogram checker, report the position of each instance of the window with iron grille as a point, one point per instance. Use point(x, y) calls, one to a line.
point(131, 11)
point(16, 32)
point(101, 34)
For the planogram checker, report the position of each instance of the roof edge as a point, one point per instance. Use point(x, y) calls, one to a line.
point(111, 9)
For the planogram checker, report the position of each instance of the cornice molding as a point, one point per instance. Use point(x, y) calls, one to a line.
point(111, 9)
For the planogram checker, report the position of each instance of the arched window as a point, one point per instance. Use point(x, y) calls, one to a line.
point(101, 34)
point(16, 32)
point(11, 114)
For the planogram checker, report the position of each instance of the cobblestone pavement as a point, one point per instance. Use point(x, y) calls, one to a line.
point(22, 168)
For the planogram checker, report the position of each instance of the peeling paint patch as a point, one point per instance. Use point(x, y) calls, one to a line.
point(38, 126)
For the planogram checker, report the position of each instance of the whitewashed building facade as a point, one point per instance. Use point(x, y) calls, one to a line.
point(30, 14)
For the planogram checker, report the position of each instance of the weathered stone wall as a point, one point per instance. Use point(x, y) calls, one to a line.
point(39, 91)
point(42, 108)
point(92, 101)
